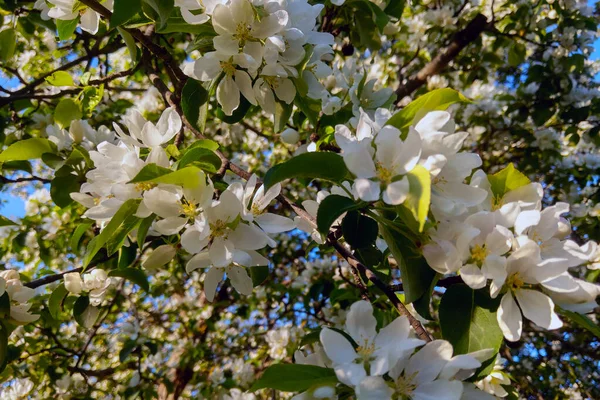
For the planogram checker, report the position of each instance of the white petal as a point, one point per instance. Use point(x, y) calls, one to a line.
point(396, 192)
point(367, 190)
point(211, 280)
point(228, 95)
point(240, 279)
point(538, 308)
point(360, 322)
point(439, 390)
point(337, 347)
point(374, 388)
point(472, 276)
point(201, 260)
point(273, 223)
point(509, 318)
point(221, 252)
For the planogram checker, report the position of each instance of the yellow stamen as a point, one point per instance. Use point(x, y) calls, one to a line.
point(143, 186)
point(478, 254)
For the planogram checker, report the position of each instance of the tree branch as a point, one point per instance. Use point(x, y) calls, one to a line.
point(445, 56)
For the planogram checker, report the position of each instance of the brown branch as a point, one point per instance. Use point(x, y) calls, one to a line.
point(34, 178)
point(444, 57)
point(390, 294)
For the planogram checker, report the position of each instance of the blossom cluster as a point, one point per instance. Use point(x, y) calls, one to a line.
point(18, 295)
point(491, 229)
point(257, 50)
point(223, 233)
point(414, 369)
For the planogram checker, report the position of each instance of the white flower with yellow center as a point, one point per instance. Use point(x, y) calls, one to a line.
point(376, 353)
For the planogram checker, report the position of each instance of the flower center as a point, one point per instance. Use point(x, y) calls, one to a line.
point(257, 211)
point(404, 387)
point(383, 174)
point(515, 282)
point(271, 81)
point(188, 209)
point(218, 229)
point(365, 352)
point(144, 186)
point(242, 33)
point(228, 67)
point(478, 254)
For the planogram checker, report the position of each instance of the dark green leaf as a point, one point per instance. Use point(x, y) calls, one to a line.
point(78, 234)
point(128, 208)
point(3, 346)
point(415, 272)
point(193, 97)
point(143, 229)
point(283, 112)
point(61, 188)
point(6, 222)
point(202, 158)
point(134, 275)
point(359, 230)
point(581, 320)
point(468, 321)
point(237, 115)
point(317, 165)
point(259, 274)
point(56, 299)
point(4, 306)
point(294, 377)
point(124, 10)
point(118, 238)
point(331, 208)
point(162, 10)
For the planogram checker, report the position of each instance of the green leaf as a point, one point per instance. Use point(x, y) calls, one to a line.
point(283, 112)
point(163, 9)
point(439, 99)
point(193, 97)
point(79, 307)
point(259, 274)
point(176, 24)
point(581, 320)
point(134, 275)
point(202, 158)
point(118, 238)
point(3, 346)
point(27, 149)
point(21, 165)
point(203, 143)
point(419, 196)
point(78, 234)
point(60, 78)
point(56, 300)
point(359, 230)
point(128, 208)
point(66, 28)
point(124, 10)
point(294, 377)
point(381, 18)
point(506, 180)
point(468, 321)
point(188, 177)
point(6, 222)
point(516, 54)
point(395, 8)
point(317, 165)
point(422, 303)
point(415, 273)
point(8, 43)
point(4, 306)
point(331, 208)
point(61, 188)
point(143, 229)
point(66, 111)
point(90, 98)
point(134, 51)
point(309, 107)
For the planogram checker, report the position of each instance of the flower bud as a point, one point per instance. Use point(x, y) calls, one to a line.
point(77, 130)
point(73, 282)
point(290, 136)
